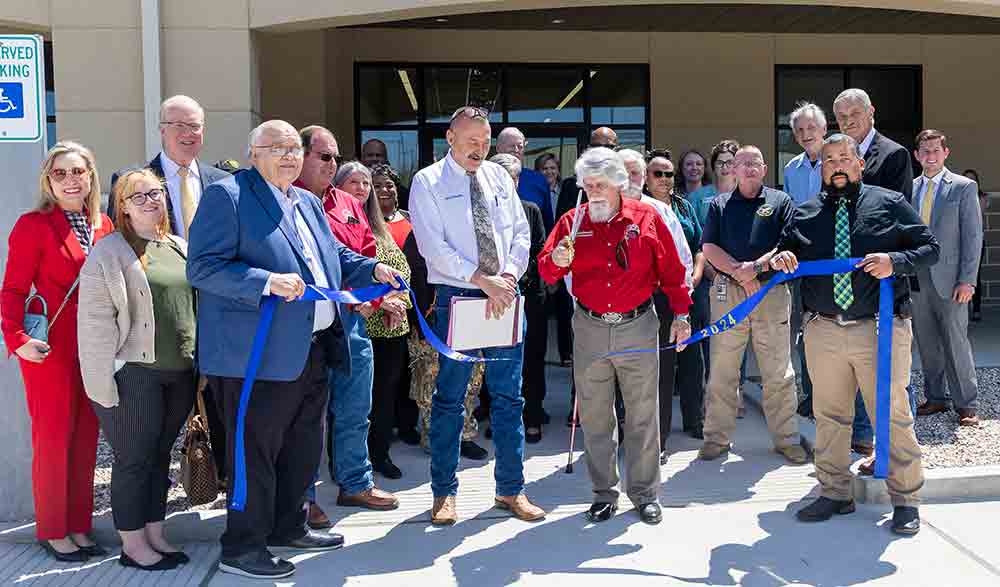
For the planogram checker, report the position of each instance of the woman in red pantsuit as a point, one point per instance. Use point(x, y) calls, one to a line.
point(47, 247)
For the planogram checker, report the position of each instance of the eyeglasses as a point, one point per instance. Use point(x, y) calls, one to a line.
point(60, 175)
point(660, 173)
point(327, 157)
point(281, 151)
point(726, 163)
point(621, 254)
point(140, 198)
point(471, 112)
point(751, 164)
point(183, 126)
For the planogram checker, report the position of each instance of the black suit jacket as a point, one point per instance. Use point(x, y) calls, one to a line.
point(567, 197)
point(887, 165)
point(531, 281)
point(208, 174)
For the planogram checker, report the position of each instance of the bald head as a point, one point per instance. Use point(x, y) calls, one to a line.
point(604, 137)
point(373, 153)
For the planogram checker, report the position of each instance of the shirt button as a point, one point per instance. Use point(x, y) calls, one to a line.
point(609, 305)
point(609, 285)
point(609, 264)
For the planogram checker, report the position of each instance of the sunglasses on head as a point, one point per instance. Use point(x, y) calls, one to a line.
point(471, 112)
point(661, 173)
point(654, 153)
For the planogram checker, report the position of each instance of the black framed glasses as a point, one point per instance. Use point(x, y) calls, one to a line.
point(140, 198)
point(621, 254)
point(471, 112)
point(662, 173)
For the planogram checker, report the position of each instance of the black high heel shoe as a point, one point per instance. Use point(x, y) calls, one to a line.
point(77, 556)
point(164, 564)
point(179, 556)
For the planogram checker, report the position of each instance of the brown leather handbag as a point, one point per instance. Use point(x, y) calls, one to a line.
point(199, 476)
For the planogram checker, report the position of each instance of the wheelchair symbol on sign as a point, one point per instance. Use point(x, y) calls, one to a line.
point(6, 105)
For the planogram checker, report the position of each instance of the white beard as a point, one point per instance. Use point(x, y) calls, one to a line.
point(599, 212)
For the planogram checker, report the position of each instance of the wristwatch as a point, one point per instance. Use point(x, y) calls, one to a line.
point(758, 267)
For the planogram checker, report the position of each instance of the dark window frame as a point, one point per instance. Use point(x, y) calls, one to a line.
point(831, 120)
point(428, 131)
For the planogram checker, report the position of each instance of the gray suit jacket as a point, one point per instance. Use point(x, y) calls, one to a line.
point(957, 223)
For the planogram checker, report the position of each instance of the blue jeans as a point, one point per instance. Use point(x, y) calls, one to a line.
point(862, 429)
point(503, 380)
point(347, 414)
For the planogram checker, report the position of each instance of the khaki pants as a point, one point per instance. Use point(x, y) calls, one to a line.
point(767, 329)
point(841, 358)
point(638, 374)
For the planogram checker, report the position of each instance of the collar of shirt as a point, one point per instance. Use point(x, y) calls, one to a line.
point(867, 143)
point(453, 166)
point(936, 179)
point(803, 160)
point(170, 167)
point(739, 193)
point(288, 201)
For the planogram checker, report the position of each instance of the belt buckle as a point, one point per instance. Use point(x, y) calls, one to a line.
point(841, 322)
point(612, 317)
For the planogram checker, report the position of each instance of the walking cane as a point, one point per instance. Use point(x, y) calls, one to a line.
point(572, 435)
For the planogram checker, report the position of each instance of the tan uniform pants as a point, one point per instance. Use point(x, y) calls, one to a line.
point(595, 387)
point(767, 329)
point(842, 358)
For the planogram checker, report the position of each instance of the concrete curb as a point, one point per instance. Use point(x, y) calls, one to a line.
point(940, 484)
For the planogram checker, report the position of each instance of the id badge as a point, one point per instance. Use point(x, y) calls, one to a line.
point(720, 290)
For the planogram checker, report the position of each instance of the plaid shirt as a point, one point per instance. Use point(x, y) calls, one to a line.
point(83, 230)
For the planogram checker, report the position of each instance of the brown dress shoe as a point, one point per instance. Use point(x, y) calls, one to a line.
point(317, 518)
point(521, 507)
point(443, 512)
point(372, 498)
point(967, 417)
point(794, 454)
point(929, 408)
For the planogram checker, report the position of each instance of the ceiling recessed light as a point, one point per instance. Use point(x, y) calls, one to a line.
point(440, 20)
point(558, 21)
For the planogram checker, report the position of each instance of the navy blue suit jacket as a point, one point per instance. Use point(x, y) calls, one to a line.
point(533, 187)
point(238, 237)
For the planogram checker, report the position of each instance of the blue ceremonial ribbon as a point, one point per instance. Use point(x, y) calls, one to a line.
point(883, 385)
point(238, 499)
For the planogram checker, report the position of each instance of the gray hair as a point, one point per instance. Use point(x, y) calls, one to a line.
point(807, 109)
point(633, 156)
point(348, 169)
point(601, 162)
point(262, 128)
point(180, 101)
point(509, 133)
point(509, 162)
point(854, 95)
point(837, 138)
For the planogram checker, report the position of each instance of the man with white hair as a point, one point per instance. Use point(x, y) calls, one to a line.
point(532, 186)
point(620, 252)
point(887, 163)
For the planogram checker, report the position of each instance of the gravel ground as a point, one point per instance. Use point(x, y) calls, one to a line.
point(944, 443)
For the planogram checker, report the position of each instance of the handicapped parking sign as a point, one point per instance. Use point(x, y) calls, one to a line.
point(11, 100)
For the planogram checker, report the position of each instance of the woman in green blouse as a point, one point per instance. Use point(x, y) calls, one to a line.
point(388, 328)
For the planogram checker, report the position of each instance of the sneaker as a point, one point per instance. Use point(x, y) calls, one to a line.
point(257, 565)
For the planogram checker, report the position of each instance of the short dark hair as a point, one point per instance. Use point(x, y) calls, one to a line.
point(930, 134)
point(306, 134)
point(724, 146)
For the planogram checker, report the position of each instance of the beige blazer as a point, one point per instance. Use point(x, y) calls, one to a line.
point(115, 318)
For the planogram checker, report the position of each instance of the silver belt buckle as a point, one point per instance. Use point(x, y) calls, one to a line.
point(841, 322)
point(612, 317)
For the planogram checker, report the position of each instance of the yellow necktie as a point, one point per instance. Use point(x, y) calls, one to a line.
point(927, 204)
point(188, 205)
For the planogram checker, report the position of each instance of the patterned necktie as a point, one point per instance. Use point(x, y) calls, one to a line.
point(188, 205)
point(927, 204)
point(842, 293)
point(489, 264)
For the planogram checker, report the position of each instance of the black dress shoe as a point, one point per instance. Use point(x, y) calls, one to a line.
point(77, 556)
point(471, 450)
point(409, 436)
point(257, 565)
point(696, 432)
point(823, 509)
point(651, 513)
point(533, 434)
point(94, 549)
point(180, 557)
point(164, 564)
point(310, 542)
point(601, 512)
point(905, 520)
point(388, 469)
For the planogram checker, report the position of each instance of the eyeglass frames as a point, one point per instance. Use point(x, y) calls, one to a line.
point(661, 173)
point(471, 112)
point(140, 198)
point(60, 175)
point(327, 157)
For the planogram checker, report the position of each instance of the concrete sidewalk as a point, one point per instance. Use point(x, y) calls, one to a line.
point(725, 523)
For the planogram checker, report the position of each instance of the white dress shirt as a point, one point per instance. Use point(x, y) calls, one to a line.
point(918, 195)
point(677, 232)
point(441, 214)
point(174, 187)
point(325, 311)
point(867, 143)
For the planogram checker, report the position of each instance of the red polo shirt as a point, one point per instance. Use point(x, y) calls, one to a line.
point(599, 282)
point(347, 220)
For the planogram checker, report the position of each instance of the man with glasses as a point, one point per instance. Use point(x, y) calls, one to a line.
point(742, 229)
point(257, 236)
point(472, 230)
point(620, 252)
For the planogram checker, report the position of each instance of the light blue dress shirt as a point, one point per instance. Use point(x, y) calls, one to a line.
point(803, 180)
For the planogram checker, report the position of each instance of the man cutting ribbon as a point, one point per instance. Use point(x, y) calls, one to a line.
point(851, 219)
point(622, 253)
